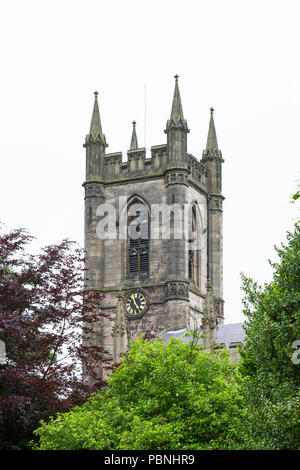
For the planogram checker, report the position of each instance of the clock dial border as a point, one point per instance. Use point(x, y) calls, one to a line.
point(135, 316)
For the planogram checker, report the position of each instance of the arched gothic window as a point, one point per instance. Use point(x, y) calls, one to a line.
point(138, 239)
point(193, 251)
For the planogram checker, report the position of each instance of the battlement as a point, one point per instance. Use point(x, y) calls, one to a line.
point(198, 171)
point(137, 165)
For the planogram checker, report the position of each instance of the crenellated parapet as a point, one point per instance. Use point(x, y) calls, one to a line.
point(136, 160)
point(137, 165)
point(198, 172)
point(159, 156)
point(112, 164)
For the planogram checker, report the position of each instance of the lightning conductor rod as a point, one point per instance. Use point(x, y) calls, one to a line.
point(145, 115)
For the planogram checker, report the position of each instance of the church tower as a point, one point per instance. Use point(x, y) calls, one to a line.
point(153, 229)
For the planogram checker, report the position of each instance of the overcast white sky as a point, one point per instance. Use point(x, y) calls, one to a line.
point(239, 56)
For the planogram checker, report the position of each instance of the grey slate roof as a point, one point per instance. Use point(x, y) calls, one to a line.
point(231, 333)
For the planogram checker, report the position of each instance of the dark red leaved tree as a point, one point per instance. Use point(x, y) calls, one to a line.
point(44, 309)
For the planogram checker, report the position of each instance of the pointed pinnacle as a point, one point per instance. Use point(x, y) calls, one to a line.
point(134, 142)
point(212, 142)
point(177, 120)
point(96, 128)
point(176, 113)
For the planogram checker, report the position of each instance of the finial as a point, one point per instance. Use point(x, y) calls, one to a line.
point(134, 123)
point(96, 94)
point(211, 110)
point(176, 77)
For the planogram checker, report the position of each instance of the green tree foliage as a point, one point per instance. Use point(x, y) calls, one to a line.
point(273, 314)
point(176, 396)
point(41, 310)
point(161, 397)
point(295, 196)
point(272, 388)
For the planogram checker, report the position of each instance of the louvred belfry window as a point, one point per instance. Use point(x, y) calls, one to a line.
point(138, 250)
point(193, 254)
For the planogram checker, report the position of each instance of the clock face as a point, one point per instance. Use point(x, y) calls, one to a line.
point(136, 303)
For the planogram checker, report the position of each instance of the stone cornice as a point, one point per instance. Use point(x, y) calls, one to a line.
point(218, 195)
point(126, 180)
point(142, 285)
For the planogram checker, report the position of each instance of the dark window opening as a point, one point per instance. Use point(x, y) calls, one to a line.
point(138, 250)
point(193, 254)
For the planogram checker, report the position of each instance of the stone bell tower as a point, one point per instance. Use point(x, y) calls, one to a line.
point(153, 230)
